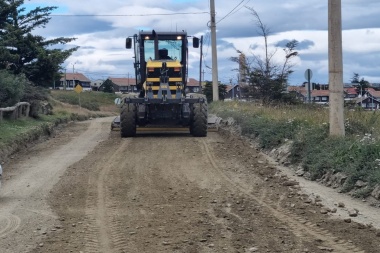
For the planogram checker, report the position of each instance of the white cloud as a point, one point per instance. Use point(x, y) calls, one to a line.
point(102, 38)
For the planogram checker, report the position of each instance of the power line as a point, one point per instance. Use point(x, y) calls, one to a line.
point(229, 13)
point(128, 15)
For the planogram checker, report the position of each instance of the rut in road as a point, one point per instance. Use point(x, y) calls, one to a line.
point(12, 223)
point(179, 194)
point(103, 232)
point(302, 228)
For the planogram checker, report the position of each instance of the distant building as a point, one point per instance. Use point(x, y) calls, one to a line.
point(96, 84)
point(233, 91)
point(193, 86)
point(124, 85)
point(322, 96)
point(350, 94)
point(69, 80)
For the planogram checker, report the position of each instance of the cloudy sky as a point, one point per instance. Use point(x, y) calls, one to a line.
point(102, 26)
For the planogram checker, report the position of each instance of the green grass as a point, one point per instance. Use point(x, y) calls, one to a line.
point(14, 133)
point(357, 154)
point(27, 129)
point(89, 100)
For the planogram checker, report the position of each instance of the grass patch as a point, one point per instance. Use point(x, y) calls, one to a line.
point(89, 100)
point(15, 133)
point(27, 129)
point(357, 155)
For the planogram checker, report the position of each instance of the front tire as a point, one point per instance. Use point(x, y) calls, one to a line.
point(128, 121)
point(198, 127)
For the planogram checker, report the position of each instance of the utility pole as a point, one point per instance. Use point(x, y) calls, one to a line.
point(335, 68)
point(73, 76)
point(200, 66)
point(233, 92)
point(65, 83)
point(215, 89)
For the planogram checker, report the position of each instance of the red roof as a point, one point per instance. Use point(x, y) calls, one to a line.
point(192, 82)
point(373, 92)
point(315, 93)
point(296, 88)
point(75, 76)
point(320, 93)
point(122, 81)
point(351, 91)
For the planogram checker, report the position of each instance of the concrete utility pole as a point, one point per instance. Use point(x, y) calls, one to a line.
point(215, 89)
point(335, 68)
point(200, 66)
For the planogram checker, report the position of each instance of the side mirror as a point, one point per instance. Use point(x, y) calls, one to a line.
point(195, 42)
point(128, 43)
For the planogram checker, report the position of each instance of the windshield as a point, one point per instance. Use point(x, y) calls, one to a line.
point(173, 47)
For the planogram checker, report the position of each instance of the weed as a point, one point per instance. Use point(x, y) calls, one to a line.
point(357, 155)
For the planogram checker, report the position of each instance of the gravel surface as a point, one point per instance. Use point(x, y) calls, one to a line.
point(88, 190)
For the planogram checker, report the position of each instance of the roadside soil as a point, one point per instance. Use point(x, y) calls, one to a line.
point(88, 190)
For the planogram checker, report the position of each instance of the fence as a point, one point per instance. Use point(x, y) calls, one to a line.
point(21, 109)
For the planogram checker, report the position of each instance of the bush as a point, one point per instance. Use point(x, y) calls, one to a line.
point(356, 155)
point(11, 88)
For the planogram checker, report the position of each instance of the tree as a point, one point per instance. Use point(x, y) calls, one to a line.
point(108, 86)
point(11, 88)
point(37, 58)
point(361, 84)
point(267, 79)
point(208, 92)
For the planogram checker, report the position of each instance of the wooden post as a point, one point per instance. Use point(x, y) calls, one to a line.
point(27, 110)
point(16, 111)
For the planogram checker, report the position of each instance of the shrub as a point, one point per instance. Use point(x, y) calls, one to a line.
point(357, 155)
point(11, 88)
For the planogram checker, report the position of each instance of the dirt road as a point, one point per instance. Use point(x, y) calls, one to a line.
point(88, 190)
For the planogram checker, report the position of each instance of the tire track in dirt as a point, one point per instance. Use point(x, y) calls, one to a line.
point(299, 226)
point(103, 232)
point(12, 223)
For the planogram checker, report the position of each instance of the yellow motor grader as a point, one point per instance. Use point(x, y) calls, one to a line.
point(161, 67)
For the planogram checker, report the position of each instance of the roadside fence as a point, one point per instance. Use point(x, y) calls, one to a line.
point(19, 110)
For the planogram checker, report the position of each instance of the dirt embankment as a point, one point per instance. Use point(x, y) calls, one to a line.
point(170, 193)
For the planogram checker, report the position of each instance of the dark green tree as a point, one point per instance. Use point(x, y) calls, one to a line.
point(21, 51)
point(12, 88)
point(108, 86)
point(222, 91)
point(360, 84)
point(208, 92)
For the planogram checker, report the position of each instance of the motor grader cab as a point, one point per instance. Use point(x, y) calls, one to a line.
point(161, 65)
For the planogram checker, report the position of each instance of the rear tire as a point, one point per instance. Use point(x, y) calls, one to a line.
point(128, 121)
point(198, 127)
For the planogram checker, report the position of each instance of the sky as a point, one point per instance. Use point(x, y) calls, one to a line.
point(101, 27)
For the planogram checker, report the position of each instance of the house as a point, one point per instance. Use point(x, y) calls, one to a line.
point(371, 92)
point(124, 85)
point(96, 84)
point(322, 96)
point(369, 103)
point(316, 96)
point(233, 91)
point(370, 100)
point(350, 94)
point(69, 80)
point(193, 86)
